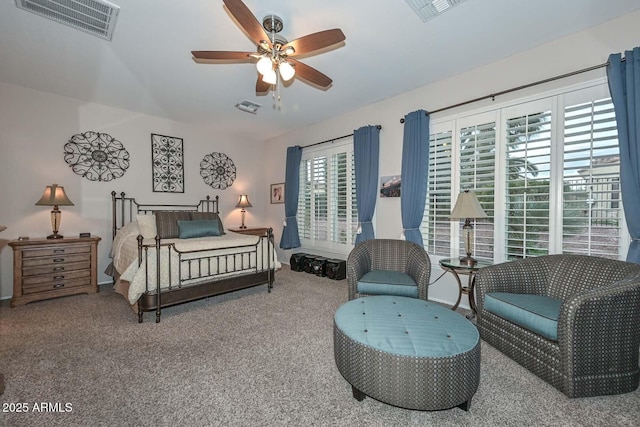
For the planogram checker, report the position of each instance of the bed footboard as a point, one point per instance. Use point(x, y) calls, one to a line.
point(181, 276)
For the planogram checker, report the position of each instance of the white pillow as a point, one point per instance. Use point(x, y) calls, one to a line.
point(147, 225)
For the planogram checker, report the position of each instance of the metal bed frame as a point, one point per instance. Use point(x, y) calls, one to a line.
point(198, 263)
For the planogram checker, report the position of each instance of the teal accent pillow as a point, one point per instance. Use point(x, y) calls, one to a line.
point(208, 215)
point(198, 228)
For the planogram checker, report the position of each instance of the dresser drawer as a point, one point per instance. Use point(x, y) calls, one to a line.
point(55, 268)
point(55, 285)
point(58, 277)
point(55, 251)
point(55, 261)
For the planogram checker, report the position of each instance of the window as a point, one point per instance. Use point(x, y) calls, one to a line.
point(327, 214)
point(437, 235)
point(545, 170)
point(591, 190)
point(528, 186)
point(477, 174)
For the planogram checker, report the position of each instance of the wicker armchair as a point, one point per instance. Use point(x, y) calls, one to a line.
point(598, 321)
point(388, 255)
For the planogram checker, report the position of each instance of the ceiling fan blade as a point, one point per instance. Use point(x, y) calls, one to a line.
point(316, 41)
point(222, 55)
point(310, 74)
point(247, 21)
point(261, 86)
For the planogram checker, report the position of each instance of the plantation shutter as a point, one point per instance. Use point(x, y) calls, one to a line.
point(436, 225)
point(340, 201)
point(319, 198)
point(304, 200)
point(327, 214)
point(527, 175)
point(477, 174)
point(591, 192)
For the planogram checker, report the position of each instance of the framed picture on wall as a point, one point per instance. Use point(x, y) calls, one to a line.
point(167, 158)
point(277, 193)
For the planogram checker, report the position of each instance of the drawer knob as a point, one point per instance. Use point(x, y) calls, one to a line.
point(58, 277)
point(58, 251)
point(58, 285)
point(58, 268)
point(58, 260)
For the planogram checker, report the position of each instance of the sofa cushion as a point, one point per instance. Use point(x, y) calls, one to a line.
point(387, 282)
point(536, 313)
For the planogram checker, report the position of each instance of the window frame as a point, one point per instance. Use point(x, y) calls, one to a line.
point(556, 99)
point(313, 244)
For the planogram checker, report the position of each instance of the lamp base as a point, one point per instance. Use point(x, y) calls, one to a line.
point(468, 260)
point(243, 226)
point(55, 236)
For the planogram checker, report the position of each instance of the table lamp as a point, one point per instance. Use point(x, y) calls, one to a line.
point(467, 207)
point(55, 196)
point(243, 202)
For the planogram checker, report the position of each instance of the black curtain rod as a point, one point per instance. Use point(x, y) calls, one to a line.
point(333, 139)
point(513, 89)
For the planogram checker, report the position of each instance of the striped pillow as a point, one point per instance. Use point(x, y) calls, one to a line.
point(167, 223)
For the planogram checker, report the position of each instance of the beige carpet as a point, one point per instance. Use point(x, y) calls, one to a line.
point(243, 359)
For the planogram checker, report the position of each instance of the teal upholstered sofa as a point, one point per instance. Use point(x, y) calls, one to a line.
point(388, 267)
point(573, 320)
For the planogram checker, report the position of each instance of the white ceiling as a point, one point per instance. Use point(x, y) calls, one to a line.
point(148, 68)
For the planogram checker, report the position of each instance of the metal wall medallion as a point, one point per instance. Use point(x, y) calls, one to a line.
point(168, 164)
point(217, 170)
point(96, 156)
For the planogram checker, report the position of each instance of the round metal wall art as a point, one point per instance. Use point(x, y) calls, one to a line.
point(96, 156)
point(218, 170)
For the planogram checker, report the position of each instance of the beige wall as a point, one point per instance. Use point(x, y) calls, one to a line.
point(34, 126)
point(581, 50)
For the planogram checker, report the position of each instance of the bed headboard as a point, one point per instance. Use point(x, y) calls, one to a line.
point(125, 209)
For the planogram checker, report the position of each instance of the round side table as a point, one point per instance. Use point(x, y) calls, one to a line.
point(457, 267)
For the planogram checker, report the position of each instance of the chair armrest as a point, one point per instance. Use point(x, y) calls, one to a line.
point(358, 264)
point(419, 269)
point(601, 327)
point(526, 276)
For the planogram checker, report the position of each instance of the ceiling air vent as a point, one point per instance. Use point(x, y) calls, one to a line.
point(427, 9)
point(97, 17)
point(248, 106)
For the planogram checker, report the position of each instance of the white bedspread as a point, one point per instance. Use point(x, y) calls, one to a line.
point(125, 259)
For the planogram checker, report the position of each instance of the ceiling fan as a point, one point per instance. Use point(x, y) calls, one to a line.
point(274, 54)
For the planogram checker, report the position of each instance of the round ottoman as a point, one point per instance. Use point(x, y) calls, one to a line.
point(407, 352)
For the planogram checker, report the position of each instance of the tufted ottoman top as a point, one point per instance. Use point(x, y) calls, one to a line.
point(406, 326)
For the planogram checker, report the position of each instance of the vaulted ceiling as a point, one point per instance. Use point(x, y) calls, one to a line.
point(147, 67)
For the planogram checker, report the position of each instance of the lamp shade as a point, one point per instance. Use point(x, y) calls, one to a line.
point(269, 77)
point(264, 65)
point(54, 195)
point(467, 206)
point(243, 202)
point(286, 71)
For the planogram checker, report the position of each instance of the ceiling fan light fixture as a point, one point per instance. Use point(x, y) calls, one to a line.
point(264, 65)
point(269, 77)
point(286, 71)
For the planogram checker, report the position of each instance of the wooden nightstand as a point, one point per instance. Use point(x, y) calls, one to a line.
point(50, 268)
point(255, 231)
